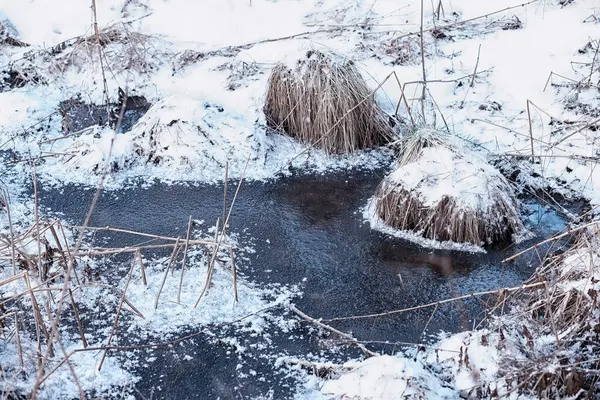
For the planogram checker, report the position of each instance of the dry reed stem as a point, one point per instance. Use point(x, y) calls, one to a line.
point(82, 395)
point(173, 256)
point(138, 254)
point(42, 275)
point(424, 85)
point(41, 287)
point(472, 83)
point(222, 237)
point(99, 44)
point(168, 238)
point(225, 190)
point(64, 235)
point(234, 271)
point(437, 303)
point(39, 320)
point(78, 320)
point(185, 251)
point(12, 233)
point(115, 324)
point(58, 245)
point(19, 346)
point(99, 251)
point(552, 239)
point(78, 244)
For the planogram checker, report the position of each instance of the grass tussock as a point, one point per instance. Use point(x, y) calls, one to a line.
point(412, 145)
point(435, 206)
point(448, 220)
point(325, 102)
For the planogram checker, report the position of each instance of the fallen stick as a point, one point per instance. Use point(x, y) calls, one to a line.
point(332, 329)
point(172, 239)
point(435, 304)
point(552, 239)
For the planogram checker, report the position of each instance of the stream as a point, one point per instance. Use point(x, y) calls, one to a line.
point(306, 230)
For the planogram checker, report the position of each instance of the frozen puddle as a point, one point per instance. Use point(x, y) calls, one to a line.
point(306, 231)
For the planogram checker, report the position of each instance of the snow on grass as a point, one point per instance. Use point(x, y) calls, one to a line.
point(386, 377)
point(181, 138)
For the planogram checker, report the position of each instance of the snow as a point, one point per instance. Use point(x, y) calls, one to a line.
point(459, 174)
point(387, 377)
point(203, 71)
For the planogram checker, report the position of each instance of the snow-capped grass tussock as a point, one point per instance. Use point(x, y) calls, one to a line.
point(324, 101)
point(445, 191)
point(371, 217)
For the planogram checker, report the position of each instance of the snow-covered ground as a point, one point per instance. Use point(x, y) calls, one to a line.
point(514, 79)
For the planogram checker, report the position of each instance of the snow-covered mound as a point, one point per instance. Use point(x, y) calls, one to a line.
point(449, 193)
point(387, 377)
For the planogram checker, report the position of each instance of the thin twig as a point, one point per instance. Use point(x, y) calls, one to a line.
point(222, 237)
point(116, 323)
point(434, 304)
point(552, 239)
point(332, 329)
point(79, 324)
point(173, 256)
point(424, 86)
point(12, 233)
point(139, 257)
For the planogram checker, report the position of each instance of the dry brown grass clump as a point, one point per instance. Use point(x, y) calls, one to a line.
point(325, 102)
point(446, 221)
point(447, 193)
point(559, 330)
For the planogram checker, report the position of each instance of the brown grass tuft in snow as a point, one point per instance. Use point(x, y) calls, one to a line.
point(448, 194)
point(325, 102)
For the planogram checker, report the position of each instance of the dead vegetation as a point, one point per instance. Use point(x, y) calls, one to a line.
point(402, 205)
point(241, 73)
point(326, 103)
point(123, 50)
point(8, 36)
point(36, 264)
point(559, 324)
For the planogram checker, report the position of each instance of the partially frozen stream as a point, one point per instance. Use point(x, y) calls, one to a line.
point(305, 230)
